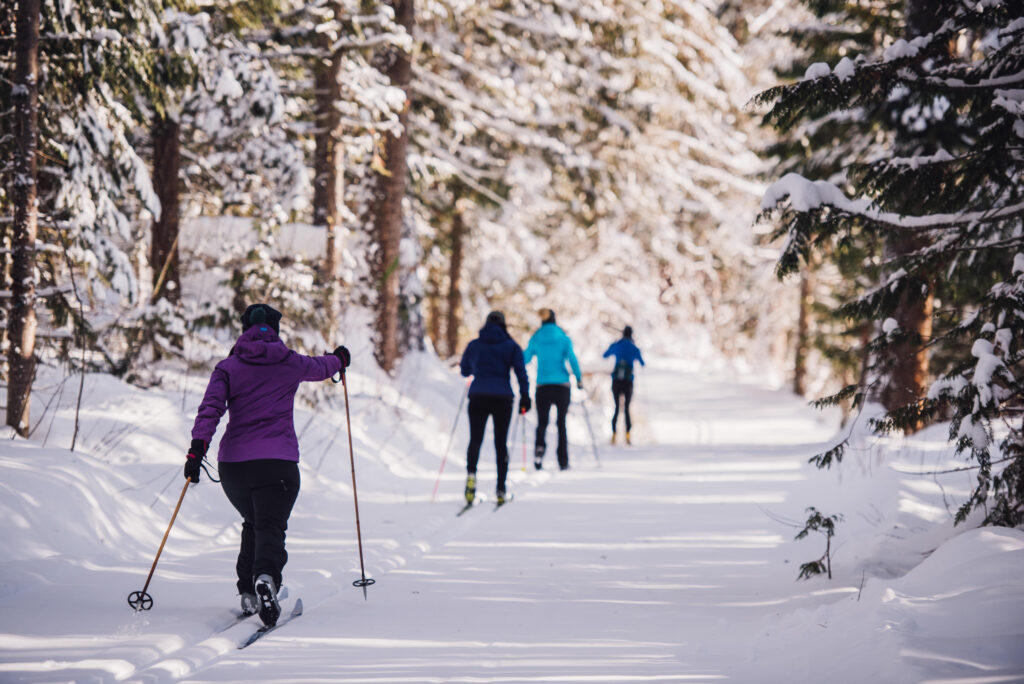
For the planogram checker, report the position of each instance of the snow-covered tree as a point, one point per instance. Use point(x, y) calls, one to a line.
point(610, 136)
point(25, 133)
point(824, 148)
point(951, 193)
point(93, 62)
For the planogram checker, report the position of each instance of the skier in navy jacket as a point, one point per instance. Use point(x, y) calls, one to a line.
point(489, 358)
point(625, 353)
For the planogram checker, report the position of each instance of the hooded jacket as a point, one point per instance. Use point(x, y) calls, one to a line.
point(489, 358)
point(256, 385)
point(553, 349)
point(625, 351)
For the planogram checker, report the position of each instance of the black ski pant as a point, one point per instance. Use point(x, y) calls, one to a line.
point(624, 389)
point(482, 407)
point(264, 492)
point(548, 396)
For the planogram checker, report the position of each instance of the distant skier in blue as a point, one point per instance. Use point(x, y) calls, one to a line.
point(625, 352)
point(553, 350)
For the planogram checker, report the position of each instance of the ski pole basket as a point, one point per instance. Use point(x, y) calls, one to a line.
point(140, 600)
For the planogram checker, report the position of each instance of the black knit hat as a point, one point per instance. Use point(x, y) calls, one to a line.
point(261, 314)
point(497, 318)
point(627, 332)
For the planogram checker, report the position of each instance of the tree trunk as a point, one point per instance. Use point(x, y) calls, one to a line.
point(907, 381)
point(22, 323)
point(802, 334)
point(163, 248)
point(908, 377)
point(328, 183)
point(434, 311)
point(387, 205)
point(454, 321)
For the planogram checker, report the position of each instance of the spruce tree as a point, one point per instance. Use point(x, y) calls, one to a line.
point(950, 193)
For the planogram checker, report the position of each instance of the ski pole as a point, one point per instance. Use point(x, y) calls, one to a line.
point(590, 428)
point(363, 582)
point(140, 600)
point(513, 426)
point(451, 436)
point(523, 440)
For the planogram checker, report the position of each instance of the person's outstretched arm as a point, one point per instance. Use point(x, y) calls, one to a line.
point(519, 367)
point(466, 362)
point(316, 368)
point(573, 362)
point(212, 407)
point(529, 353)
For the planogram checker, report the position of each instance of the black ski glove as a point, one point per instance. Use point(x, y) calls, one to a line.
point(343, 354)
point(524, 404)
point(194, 460)
point(579, 384)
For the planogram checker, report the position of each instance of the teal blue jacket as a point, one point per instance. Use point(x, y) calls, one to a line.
point(552, 348)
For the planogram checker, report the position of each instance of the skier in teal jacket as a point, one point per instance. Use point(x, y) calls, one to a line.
point(553, 350)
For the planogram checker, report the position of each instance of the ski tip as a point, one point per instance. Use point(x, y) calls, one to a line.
point(297, 610)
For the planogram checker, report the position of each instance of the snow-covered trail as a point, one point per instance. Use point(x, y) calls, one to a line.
point(652, 565)
point(671, 560)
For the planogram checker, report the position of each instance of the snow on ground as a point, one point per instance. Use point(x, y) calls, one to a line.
point(671, 560)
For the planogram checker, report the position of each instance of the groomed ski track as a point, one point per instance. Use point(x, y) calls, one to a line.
point(655, 564)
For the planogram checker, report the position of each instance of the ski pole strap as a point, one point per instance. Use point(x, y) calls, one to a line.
point(206, 470)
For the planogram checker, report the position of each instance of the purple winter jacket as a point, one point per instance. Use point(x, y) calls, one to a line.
point(256, 385)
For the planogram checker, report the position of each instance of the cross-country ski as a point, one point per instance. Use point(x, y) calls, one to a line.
point(267, 629)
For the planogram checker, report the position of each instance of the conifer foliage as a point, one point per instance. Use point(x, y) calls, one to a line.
point(949, 191)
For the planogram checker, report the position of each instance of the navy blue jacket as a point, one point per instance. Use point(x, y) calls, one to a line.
point(489, 358)
point(626, 351)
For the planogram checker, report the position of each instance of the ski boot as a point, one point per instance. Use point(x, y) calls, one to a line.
point(250, 604)
point(269, 609)
point(628, 440)
point(615, 435)
point(470, 488)
point(538, 457)
point(501, 499)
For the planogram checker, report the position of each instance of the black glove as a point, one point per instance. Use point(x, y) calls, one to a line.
point(343, 354)
point(524, 404)
point(194, 460)
point(579, 384)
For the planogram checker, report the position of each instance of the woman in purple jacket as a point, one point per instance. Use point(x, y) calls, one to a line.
point(258, 458)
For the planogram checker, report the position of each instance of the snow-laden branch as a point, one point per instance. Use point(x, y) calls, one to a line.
point(807, 195)
point(985, 83)
point(42, 292)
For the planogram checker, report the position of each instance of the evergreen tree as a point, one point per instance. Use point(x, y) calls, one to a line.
point(93, 61)
point(823, 148)
point(951, 193)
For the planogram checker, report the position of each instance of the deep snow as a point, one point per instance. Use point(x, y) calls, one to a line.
point(670, 560)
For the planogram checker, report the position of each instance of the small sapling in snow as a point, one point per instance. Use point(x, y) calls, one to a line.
point(826, 525)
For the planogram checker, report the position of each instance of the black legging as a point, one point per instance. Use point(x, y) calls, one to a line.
point(622, 388)
point(482, 406)
point(264, 492)
point(559, 396)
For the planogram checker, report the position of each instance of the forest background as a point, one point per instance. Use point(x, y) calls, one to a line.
point(620, 161)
